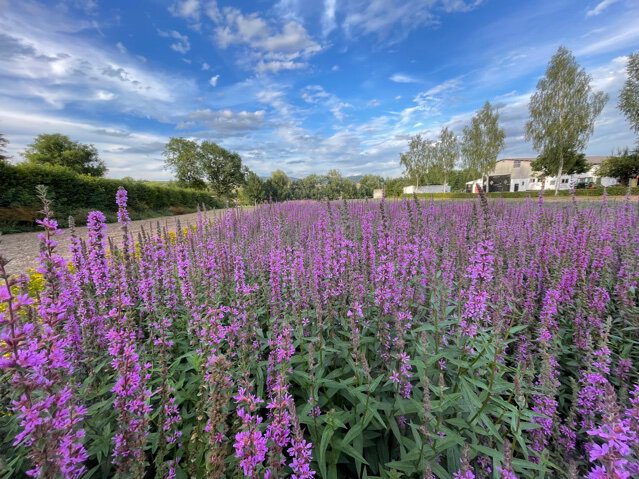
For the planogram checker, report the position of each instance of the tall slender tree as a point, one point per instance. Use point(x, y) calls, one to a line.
point(629, 95)
point(446, 153)
point(563, 110)
point(3, 149)
point(416, 161)
point(482, 141)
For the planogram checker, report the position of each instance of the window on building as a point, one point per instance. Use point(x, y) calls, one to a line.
point(564, 180)
point(552, 182)
point(517, 164)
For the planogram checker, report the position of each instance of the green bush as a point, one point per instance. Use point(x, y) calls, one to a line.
point(75, 195)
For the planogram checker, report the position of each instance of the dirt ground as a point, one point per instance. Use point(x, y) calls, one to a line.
point(22, 249)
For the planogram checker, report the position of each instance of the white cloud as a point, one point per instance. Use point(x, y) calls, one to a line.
point(622, 35)
point(403, 78)
point(337, 109)
point(335, 68)
point(206, 67)
point(328, 16)
point(181, 44)
point(393, 20)
point(213, 80)
point(120, 46)
point(104, 95)
point(224, 122)
point(189, 9)
point(315, 94)
point(212, 11)
point(276, 66)
point(448, 85)
point(600, 7)
point(50, 68)
point(270, 50)
point(374, 103)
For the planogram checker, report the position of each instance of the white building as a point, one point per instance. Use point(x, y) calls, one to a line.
point(412, 189)
point(515, 174)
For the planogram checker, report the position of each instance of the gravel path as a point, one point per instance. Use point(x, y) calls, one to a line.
point(22, 249)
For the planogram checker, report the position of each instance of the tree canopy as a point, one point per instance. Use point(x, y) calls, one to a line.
point(446, 154)
point(629, 95)
point(3, 149)
point(574, 162)
point(59, 150)
point(278, 186)
point(183, 157)
point(205, 165)
point(253, 188)
point(623, 166)
point(482, 141)
point(222, 168)
point(417, 160)
point(563, 110)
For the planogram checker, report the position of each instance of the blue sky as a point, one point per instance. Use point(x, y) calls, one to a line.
point(299, 85)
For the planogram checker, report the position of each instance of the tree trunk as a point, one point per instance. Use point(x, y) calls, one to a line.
point(561, 168)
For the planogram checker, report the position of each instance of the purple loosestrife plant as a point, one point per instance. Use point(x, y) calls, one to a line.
point(500, 322)
point(36, 352)
point(131, 402)
point(250, 444)
point(480, 273)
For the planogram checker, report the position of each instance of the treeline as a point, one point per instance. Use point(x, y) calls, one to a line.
point(75, 195)
point(332, 186)
point(562, 114)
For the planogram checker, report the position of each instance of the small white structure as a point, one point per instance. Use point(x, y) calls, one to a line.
point(378, 193)
point(428, 189)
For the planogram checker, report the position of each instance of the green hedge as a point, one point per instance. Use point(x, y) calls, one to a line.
point(612, 191)
point(76, 195)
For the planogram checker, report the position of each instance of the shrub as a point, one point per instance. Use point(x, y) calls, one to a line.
point(75, 195)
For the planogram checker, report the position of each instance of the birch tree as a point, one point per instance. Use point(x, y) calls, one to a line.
point(417, 160)
point(446, 153)
point(563, 110)
point(629, 95)
point(482, 141)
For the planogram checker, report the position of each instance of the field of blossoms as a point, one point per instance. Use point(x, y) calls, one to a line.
point(363, 339)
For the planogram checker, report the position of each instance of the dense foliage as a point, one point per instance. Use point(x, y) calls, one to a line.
point(624, 166)
point(629, 94)
point(482, 141)
point(359, 339)
point(332, 186)
point(562, 111)
point(3, 152)
point(76, 195)
point(59, 150)
point(205, 164)
point(573, 163)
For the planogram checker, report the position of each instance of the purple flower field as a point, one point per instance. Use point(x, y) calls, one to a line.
point(363, 339)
